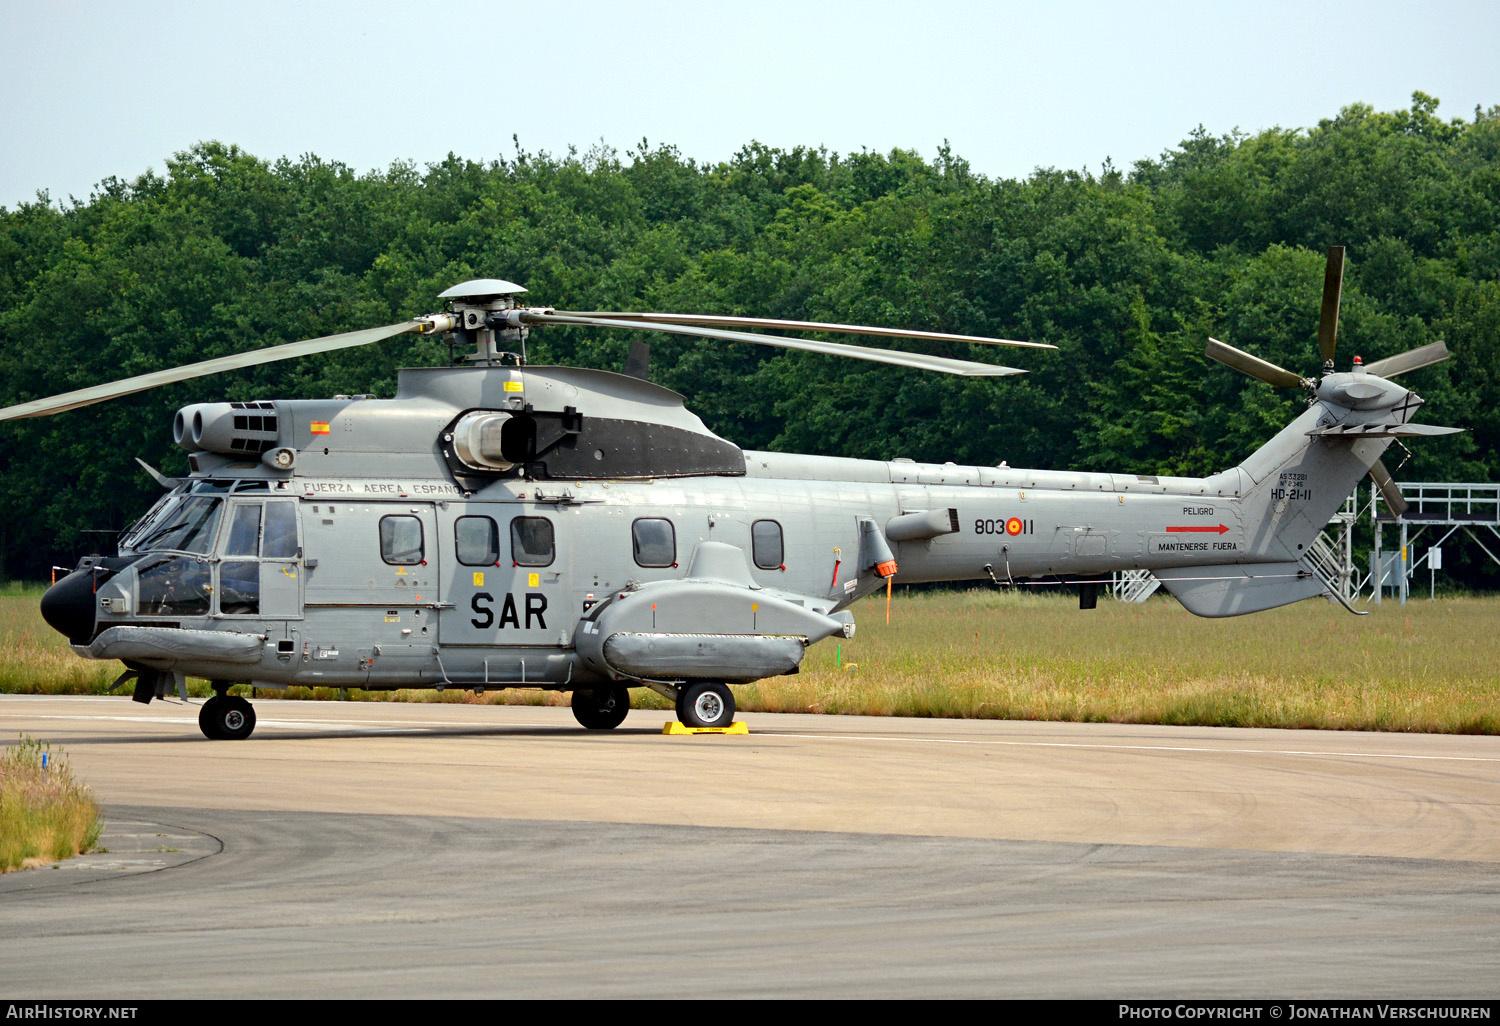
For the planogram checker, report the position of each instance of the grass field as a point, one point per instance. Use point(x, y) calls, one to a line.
point(45, 813)
point(1427, 666)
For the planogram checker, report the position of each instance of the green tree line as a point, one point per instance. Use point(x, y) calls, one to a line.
point(1126, 271)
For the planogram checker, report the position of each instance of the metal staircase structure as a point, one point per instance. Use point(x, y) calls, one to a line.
point(1134, 585)
point(1332, 557)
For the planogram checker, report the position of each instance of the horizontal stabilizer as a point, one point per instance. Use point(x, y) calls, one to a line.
point(1385, 430)
point(1232, 589)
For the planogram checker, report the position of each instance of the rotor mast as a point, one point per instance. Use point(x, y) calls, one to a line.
point(485, 314)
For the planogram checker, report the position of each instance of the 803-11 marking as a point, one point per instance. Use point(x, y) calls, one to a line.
point(1010, 525)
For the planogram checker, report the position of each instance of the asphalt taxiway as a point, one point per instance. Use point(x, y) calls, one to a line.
point(382, 850)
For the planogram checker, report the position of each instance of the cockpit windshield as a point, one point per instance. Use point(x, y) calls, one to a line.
point(183, 524)
point(154, 516)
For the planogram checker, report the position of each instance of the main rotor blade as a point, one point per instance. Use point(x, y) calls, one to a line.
point(1422, 356)
point(1389, 490)
point(1328, 320)
point(141, 382)
point(1251, 365)
point(900, 359)
point(717, 321)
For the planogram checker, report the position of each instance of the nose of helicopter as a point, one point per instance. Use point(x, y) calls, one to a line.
point(71, 606)
point(68, 606)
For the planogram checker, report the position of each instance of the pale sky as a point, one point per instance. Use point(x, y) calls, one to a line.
point(90, 89)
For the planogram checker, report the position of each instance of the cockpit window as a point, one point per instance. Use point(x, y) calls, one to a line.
point(281, 530)
point(174, 586)
point(244, 531)
point(154, 516)
point(190, 528)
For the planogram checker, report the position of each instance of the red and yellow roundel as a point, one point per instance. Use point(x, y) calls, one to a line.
point(1014, 525)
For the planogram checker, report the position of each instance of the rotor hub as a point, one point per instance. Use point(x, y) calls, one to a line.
point(485, 315)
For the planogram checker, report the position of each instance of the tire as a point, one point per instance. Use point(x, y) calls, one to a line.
point(206, 715)
point(705, 705)
point(226, 718)
point(603, 709)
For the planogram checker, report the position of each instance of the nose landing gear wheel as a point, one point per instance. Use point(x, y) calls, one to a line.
point(705, 705)
point(226, 718)
point(603, 709)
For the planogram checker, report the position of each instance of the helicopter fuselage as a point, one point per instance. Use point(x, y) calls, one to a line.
point(494, 527)
point(403, 582)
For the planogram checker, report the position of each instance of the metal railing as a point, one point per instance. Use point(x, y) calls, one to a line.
point(1461, 507)
point(1449, 502)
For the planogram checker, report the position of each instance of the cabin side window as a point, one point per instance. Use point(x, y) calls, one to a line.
point(532, 542)
point(766, 545)
point(655, 542)
point(476, 540)
point(401, 540)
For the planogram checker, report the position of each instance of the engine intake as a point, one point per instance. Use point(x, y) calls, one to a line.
point(233, 429)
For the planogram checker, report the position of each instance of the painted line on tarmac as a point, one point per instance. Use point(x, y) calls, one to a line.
point(407, 726)
point(349, 725)
point(1129, 748)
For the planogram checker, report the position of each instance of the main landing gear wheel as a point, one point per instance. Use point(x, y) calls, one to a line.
point(226, 718)
point(705, 705)
point(603, 709)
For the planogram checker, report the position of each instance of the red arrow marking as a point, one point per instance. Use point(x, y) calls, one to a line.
point(1221, 529)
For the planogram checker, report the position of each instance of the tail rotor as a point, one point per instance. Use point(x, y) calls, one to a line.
point(1328, 330)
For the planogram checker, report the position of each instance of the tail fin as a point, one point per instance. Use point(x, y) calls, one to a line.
point(1293, 484)
point(1289, 488)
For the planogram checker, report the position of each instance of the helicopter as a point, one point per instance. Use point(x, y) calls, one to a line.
point(499, 524)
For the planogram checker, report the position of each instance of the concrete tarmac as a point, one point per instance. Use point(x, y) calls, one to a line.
point(381, 850)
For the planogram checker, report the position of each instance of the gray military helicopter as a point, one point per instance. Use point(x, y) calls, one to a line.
point(499, 524)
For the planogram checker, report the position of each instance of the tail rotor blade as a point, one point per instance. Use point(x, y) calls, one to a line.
point(1328, 320)
point(1389, 490)
point(1410, 360)
point(1254, 366)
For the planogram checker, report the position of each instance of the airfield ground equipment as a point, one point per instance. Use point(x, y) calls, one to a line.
point(499, 524)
